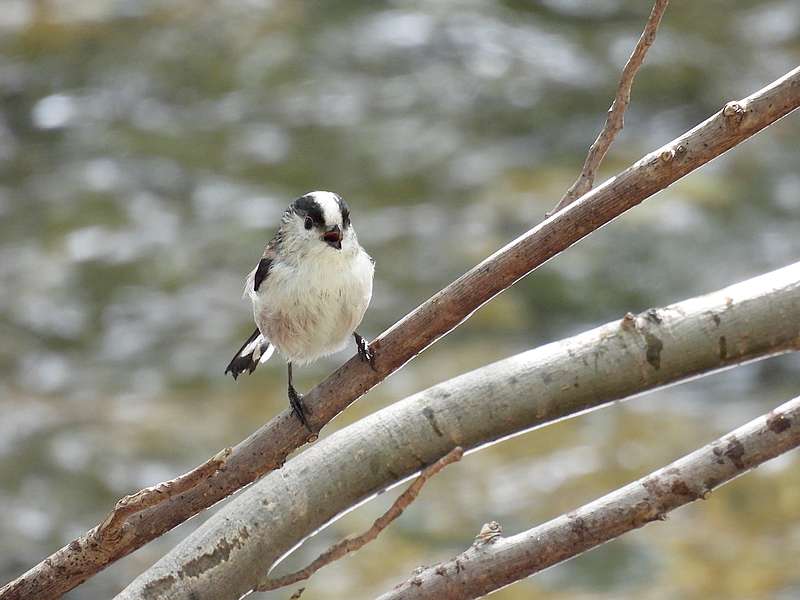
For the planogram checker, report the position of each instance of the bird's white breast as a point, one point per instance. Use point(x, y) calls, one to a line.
point(310, 308)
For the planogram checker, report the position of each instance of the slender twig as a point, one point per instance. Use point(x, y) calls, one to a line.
point(268, 447)
point(493, 562)
point(615, 119)
point(348, 545)
point(113, 524)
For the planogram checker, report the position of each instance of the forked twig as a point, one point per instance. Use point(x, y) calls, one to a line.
point(148, 497)
point(348, 545)
point(616, 113)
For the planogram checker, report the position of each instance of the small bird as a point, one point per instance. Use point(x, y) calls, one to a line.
point(309, 291)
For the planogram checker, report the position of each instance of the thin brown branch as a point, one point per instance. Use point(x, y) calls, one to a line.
point(267, 448)
point(348, 545)
point(493, 562)
point(615, 119)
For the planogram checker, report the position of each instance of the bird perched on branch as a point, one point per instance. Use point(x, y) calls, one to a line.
point(309, 291)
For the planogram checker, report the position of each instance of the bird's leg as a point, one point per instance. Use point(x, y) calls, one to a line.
point(364, 351)
point(296, 402)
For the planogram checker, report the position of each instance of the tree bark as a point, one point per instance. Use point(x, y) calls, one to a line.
point(231, 552)
point(267, 448)
point(494, 562)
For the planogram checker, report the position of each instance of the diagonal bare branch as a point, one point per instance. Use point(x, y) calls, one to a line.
point(615, 119)
point(493, 562)
point(268, 447)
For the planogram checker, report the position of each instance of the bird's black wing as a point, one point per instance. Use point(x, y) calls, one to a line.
point(262, 271)
point(265, 264)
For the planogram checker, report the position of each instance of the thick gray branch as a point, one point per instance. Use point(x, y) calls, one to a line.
point(227, 555)
point(492, 563)
point(267, 448)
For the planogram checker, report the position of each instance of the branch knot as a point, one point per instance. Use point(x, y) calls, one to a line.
point(489, 533)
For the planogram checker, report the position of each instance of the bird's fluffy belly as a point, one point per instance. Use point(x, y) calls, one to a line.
point(309, 315)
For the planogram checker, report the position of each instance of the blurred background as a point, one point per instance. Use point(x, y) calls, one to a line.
point(148, 148)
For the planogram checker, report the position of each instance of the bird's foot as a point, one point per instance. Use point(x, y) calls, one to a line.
point(296, 402)
point(364, 351)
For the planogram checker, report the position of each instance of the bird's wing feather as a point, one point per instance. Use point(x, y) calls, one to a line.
point(262, 270)
point(257, 276)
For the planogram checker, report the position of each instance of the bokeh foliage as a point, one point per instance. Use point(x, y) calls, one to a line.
point(147, 150)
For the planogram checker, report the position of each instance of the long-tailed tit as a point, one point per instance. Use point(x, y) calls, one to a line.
point(310, 290)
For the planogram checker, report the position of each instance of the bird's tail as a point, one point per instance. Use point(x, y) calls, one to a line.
point(255, 350)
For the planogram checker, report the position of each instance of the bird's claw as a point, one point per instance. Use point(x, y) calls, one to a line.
point(296, 402)
point(364, 351)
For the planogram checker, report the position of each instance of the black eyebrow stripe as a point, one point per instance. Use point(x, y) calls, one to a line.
point(307, 206)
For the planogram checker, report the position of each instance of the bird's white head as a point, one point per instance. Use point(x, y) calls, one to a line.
point(318, 222)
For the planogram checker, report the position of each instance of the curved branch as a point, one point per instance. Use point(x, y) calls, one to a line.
point(615, 119)
point(268, 448)
point(492, 563)
point(226, 555)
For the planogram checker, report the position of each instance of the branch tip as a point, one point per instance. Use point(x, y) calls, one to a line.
point(127, 506)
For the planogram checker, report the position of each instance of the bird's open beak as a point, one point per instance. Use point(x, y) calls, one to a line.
point(333, 237)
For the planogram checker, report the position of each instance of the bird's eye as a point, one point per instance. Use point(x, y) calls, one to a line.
point(309, 223)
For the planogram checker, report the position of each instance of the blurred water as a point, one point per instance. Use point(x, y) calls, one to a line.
point(147, 150)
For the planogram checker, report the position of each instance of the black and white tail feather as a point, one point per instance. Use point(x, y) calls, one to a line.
point(254, 351)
